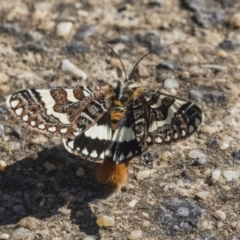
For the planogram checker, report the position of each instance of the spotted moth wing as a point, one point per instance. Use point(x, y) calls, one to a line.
point(158, 118)
point(61, 111)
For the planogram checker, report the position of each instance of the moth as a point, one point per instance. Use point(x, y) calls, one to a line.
point(109, 125)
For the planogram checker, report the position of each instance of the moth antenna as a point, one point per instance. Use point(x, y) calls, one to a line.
point(118, 58)
point(154, 50)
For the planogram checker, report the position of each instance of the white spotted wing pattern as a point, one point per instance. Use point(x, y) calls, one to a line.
point(114, 122)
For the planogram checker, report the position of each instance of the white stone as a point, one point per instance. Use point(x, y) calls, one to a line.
point(196, 154)
point(67, 66)
point(225, 144)
point(4, 236)
point(166, 156)
point(146, 223)
point(207, 225)
point(2, 129)
point(230, 175)
point(219, 215)
point(216, 175)
point(11, 146)
point(235, 20)
point(170, 83)
point(135, 234)
point(64, 29)
point(21, 233)
point(190, 58)
point(220, 224)
point(203, 195)
point(90, 237)
point(39, 140)
point(143, 174)
point(133, 203)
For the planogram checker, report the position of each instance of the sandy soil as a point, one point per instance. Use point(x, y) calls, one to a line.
point(46, 193)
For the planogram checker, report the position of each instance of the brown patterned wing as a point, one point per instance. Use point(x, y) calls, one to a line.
point(158, 118)
point(63, 111)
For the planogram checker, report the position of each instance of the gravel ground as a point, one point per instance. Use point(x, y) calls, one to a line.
point(189, 190)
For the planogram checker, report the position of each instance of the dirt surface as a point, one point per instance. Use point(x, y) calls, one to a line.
point(46, 193)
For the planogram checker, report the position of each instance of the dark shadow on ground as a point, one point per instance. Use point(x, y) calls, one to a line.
point(38, 193)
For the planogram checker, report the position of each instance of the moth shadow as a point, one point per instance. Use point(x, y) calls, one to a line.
point(52, 184)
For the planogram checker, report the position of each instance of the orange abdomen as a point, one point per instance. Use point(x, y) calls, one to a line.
point(109, 173)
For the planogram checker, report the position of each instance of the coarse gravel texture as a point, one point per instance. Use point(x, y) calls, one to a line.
point(189, 190)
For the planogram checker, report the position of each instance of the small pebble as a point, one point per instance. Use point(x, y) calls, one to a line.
point(216, 175)
point(135, 234)
point(190, 58)
point(235, 20)
point(39, 15)
point(230, 175)
point(30, 223)
point(168, 187)
point(144, 214)
point(9, 28)
point(236, 155)
point(219, 215)
point(114, 62)
point(19, 209)
point(4, 236)
point(3, 78)
point(90, 237)
point(146, 223)
point(68, 197)
point(173, 91)
point(16, 12)
point(203, 195)
point(39, 140)
point(196, 71)
point(133, 203)
point(11, 146)
point(220, 224)
point(143, 174)
point(228, 44)
point(79, 214)
point(64, 29)
point(235, 224)
point(185, 74)
point(80, 172)
point(206, 225)
point(21, 233)
point(142, 71)
point(170, 83)
point(18, 131)
point(43, 6)
point(2, 165)
point(166, 156)
point(2, 129)
point(105, 221)
point(49, 166)
point(225, 144)
point(222, 54)
point(67, 66)
point(46, 25)
point(196, 154)
point(200, 161)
